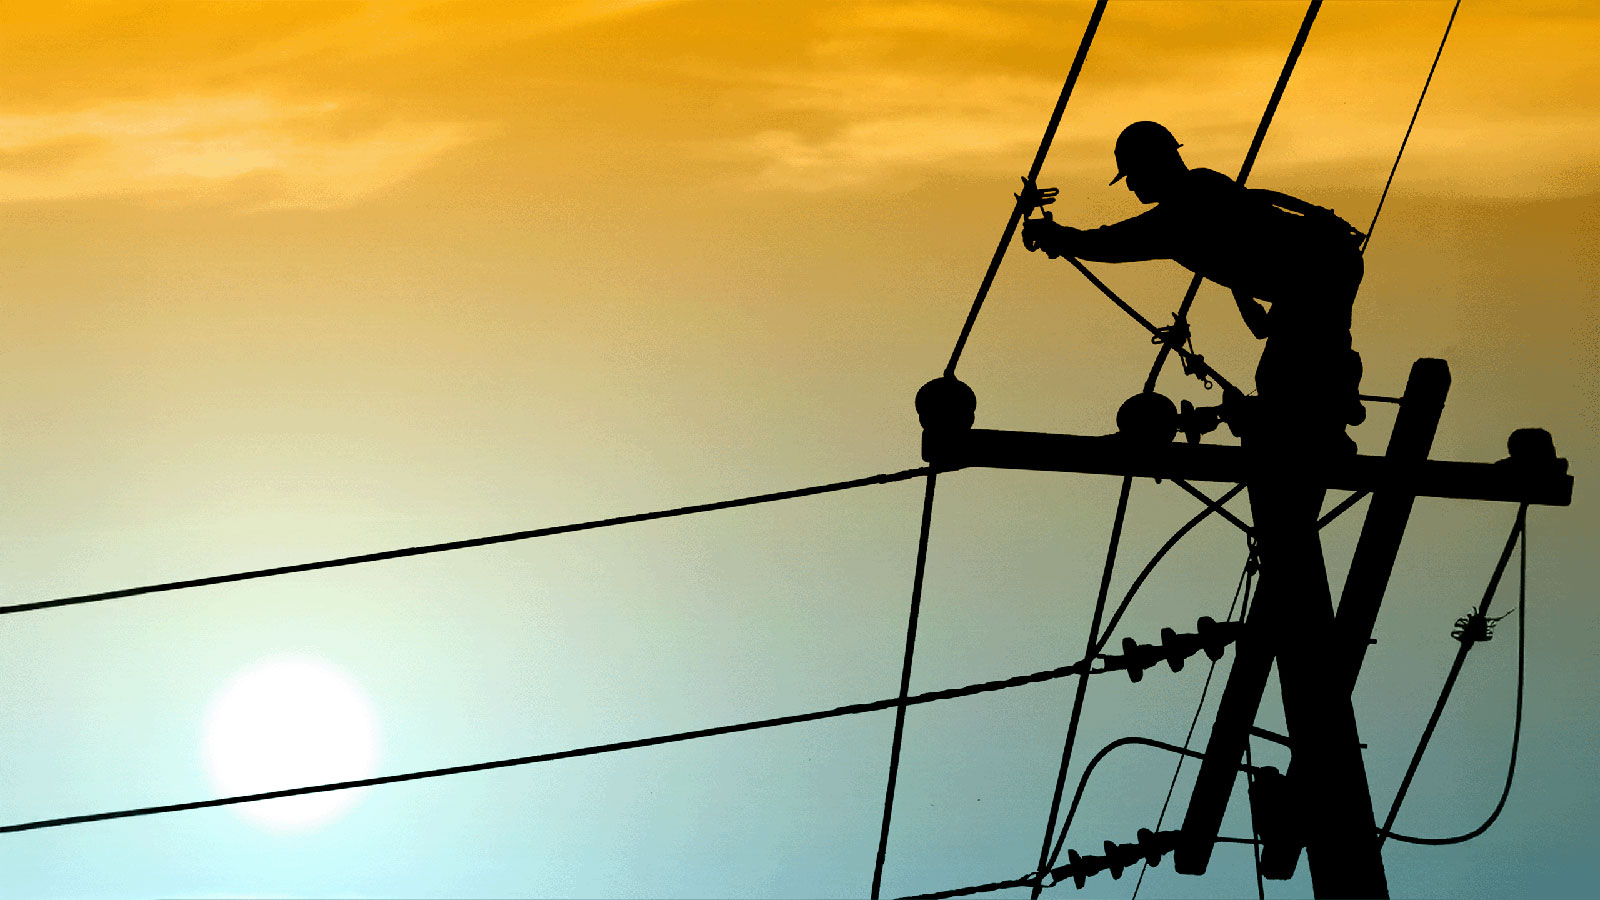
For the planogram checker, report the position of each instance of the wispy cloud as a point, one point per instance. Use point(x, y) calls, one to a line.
point(883, 98)
point(271, 153)
point(880, 125)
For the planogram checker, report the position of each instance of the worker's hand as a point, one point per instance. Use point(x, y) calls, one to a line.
point(1043, 234)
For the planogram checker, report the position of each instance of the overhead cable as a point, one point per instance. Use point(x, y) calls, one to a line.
point(1033, 878)
point(1244, 172)
point(1022, 206)
point(446, 546)
point(637, 743)
point(1246, 577)
point(1076, 715)
point(1412, 124)
point(1450, 682)
point(905, 683)
point(1516, 728)
point(1155, 371)
point(1138, 581)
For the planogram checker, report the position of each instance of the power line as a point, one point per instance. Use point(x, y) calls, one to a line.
point(1516, 728)
point(1412, 124)
point(1034, 878)
point(424, 549)
point(1083, 682)
point(905, 683)
point(637, 743)
point(1138, 582)
point(1241, 589)
point(1022, 206)
point(1155, 371)
point(1025, 881)
point(1244, 173)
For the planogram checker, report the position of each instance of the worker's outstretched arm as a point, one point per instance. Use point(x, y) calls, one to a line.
point(1145, 236)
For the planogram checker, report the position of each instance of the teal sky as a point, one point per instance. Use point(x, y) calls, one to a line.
point(293, 281)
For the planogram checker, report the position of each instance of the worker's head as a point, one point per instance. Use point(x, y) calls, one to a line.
point(1147, 155)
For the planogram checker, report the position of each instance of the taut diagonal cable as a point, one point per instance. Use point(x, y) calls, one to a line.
point(1420, 97)
point(905, 682)
point(446, 546)
point(1021, 207)
point(656, 741)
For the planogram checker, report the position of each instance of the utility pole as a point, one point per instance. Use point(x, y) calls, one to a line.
point(1292, 621)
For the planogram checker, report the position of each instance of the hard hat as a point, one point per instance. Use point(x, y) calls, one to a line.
point(1141, 141)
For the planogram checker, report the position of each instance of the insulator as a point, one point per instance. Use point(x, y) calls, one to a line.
point(1079, 868)
point(1130, 649)
point(1113, 860)
point(1155, 844)
point(1178, 647)
point(1531, 445)
point(1214, 636)
point(1148, 418)
point(946, 404)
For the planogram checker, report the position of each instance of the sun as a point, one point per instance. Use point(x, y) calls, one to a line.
point(285, 722)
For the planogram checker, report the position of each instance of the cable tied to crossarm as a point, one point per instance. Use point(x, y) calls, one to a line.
point(1024, 201)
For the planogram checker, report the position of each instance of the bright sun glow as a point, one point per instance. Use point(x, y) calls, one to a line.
point(285, 722)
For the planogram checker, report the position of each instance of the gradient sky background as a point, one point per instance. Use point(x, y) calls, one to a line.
point(290, 281)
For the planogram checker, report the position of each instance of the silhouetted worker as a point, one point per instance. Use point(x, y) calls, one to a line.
point(1266, 246)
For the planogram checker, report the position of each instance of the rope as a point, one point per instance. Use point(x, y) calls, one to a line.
point(1023, 204)
point(658, 740)
point(1516, 728)
point(905, 683)
point(1414, 112)
point(1083, 681)
point(424, 549)
point(1450, 681)
point(1182, 316)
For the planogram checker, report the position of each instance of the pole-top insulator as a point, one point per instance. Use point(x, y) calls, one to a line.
point(946, 404)
point(1148, 418)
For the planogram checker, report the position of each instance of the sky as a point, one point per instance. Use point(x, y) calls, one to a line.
point(288, 281)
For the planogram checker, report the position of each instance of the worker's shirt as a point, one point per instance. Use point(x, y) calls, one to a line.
point(1239, 239)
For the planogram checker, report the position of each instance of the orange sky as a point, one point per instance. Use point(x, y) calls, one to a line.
point(288, 280)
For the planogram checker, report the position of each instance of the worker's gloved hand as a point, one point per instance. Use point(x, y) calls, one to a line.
point(1044, 234)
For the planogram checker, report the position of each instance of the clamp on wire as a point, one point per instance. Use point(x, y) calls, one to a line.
point(1034, 197)
point(1177, 337)
point(1476, 626)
